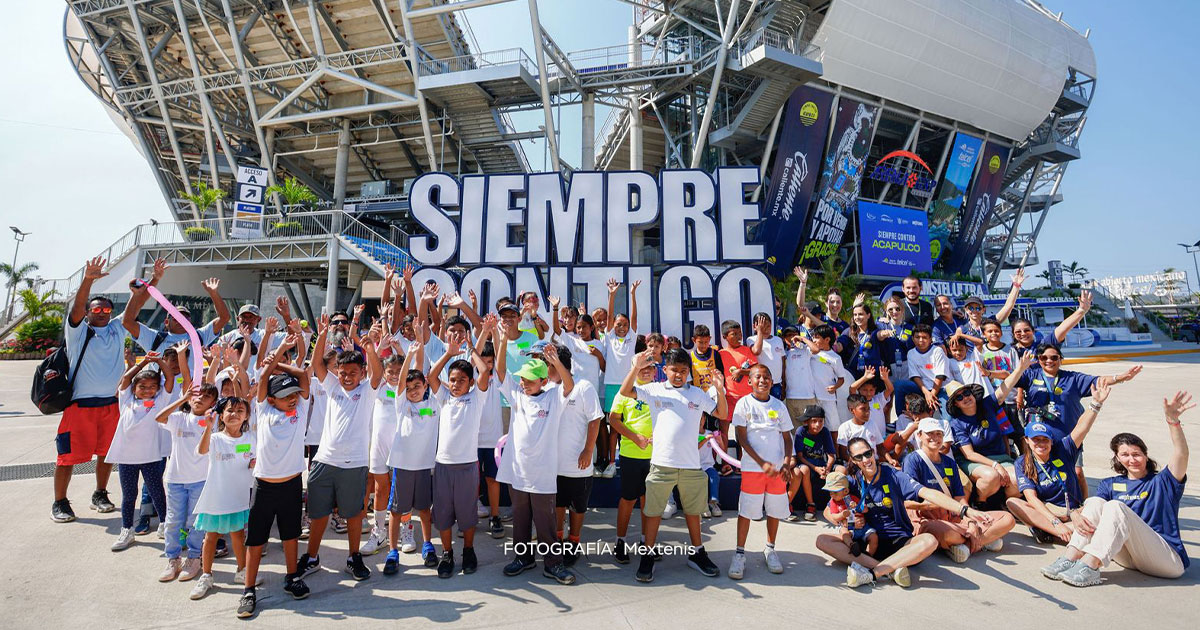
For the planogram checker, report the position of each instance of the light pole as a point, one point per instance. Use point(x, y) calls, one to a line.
point(18, 236)
point(1192, 249)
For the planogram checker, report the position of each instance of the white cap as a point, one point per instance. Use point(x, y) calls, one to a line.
point(927, 425)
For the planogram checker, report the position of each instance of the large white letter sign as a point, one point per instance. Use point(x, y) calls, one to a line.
point(429, 194)
point(546, 206)
point(688, 196)
point(595, 278)
point(489, 284)
point(584, 196)
point(632, 200)
point(502, 211)
point(683, 285)
point(742, 292)
point(470, 220)
point(732, 182)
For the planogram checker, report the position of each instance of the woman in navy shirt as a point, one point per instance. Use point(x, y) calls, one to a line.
point(1046, 476)
point(865, 341)
point(882, 492)
point(980, 428)
point(1134, 517)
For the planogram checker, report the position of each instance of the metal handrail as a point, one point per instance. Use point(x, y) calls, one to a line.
point(431, 65)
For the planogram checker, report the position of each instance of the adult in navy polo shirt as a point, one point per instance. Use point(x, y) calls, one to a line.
point(1134, 517)
point(980, 427)
point(1055, 394)
point(882, 491)
point(88, 424)
point(1047, 479)
point(948, 324)
point(152, 340)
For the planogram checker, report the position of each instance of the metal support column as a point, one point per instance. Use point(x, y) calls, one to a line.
point(715, 89)
point(1037, 169)
point(307, 303)
point(410, 49)
point(588, 162)
point(252, 106)
point(635, 112)
point(544, 82)
point(341, 166)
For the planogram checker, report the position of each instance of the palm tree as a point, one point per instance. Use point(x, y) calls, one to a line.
point(1169, 285)
point(40, 305)
point(14, 276)
point(294, 193)
point(203, 198)
point(1076, 271)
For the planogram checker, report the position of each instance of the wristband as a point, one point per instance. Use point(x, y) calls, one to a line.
point(963, 512)
point(1095, 406)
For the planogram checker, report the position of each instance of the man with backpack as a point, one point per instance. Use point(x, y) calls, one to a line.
point(95, 345)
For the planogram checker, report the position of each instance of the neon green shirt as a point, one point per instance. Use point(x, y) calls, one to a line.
point(636, 415)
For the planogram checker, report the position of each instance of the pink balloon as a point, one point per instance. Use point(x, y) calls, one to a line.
point(193, 336)
point(712, 441)
point(500, 447)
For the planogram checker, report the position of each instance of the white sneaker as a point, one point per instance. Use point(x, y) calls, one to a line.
point(374, 543)
point(407, 544)
point(202, 587)
point(670, 510)
point(305, 527)
point(902, 578)
point(506, 515)
point(480, 510)
point(857, 575)
point(162, 531)
point(610, 471)
point(172, 570)
point(737, 568)
point(959, 553)
point(995, 545)
point(338, 524)
point(772, 558)
point(239, 578)
point(124, 539)
point(191, 569)
point(714, 507)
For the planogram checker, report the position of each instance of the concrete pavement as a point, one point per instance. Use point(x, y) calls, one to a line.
point(65, 575)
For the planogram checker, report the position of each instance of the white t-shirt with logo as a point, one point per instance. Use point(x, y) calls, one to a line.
point(383, 426)
point(968, 371)
point(280, 441)
point(771, 354)
point(136, 440)
point(676, 414)
point(928, 365)
point(316, 413)
point(765, 422)
point(458, 431)
point(230, 474)
point(878, 421)
point(618, 356)
point(584, 365)
point(185, 464)
point(826, 367)
point(529, 462)
point(346, 440)
point(491, 423)
point(416, 443)
point(579, 409)
point(849, 430)
point(798, 369)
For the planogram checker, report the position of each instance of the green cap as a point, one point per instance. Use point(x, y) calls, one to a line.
point(534, 369)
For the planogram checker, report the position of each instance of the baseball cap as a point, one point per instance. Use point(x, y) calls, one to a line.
point(183, 309)
point(974, 299)
point(534, 369)
point(836, 482)
point(814, 411)
point(249, 308)
point(929, 425)
point(282, 386)
point(1038, 429)
point(508, 306)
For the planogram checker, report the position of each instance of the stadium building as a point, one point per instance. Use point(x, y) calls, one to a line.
point(967, 112)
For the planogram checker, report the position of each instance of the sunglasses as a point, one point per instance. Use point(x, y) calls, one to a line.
point(862, 457)
point(959, 398)
point(1049, 357)
point(102, 310)
point(340, 322)
point(974, 308)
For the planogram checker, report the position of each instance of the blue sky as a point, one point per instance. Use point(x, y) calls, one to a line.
point(77, 184)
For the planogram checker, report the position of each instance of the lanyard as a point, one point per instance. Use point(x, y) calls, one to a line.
point(1055, 479)
point(908, 309)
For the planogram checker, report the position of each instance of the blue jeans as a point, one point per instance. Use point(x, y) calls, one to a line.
point(714, 484)
point(181, 519)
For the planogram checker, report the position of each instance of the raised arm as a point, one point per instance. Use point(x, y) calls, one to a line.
point(554, 303)
point(127, 377)
point(640, 360)
point(209, 420)
point(370, 345)
point(1010, 381)
point(613, 285)
point(1085, 305)
point(568, 382)
point(802, 276)
point(453, 347)
point(389, 274)
point(1018, 279)
point(269, 328)
point(1173, 409)
point(633, 305)
point(762, 326)
point(868, 374)
point(500, 345)
point(1088, 417)
point(455, 300)
point(318, 362)
point(185, 370)
point(165, 414)
point(1124, 377)
point(410, 292)
point(138, 296)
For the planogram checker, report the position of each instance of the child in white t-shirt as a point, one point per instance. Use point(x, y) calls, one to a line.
point(828, 374)
point(224, 505)
point(383, 433)
point(620, 338)
point(880, 402)
point(769, 349)
point(857, 426)
point(927, 366)
point(765, 432)
point(411, 460)
point(677, 410)
point(965, 366)
point(578, 427)
point(135, 443)
point(797, 376)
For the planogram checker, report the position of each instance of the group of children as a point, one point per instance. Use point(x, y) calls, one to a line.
point(408, 417)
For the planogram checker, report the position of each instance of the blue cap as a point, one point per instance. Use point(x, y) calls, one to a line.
point(1038, 429)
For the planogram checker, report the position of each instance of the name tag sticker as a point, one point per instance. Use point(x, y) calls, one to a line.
point(885, 488)
point(949, 471)
point(242, 448)
point(1057, 462)
point(809, 442)
point(147, 403)
point(391, 393)
point(1118, 486)
point(1038, 381)
point(523, 344)
point(875, 405)
point(928, 366)
point(425, 412)
point(772, 414)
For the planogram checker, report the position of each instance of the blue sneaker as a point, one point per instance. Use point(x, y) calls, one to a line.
point(429, 555)
point(143, 526)
point(391, 566)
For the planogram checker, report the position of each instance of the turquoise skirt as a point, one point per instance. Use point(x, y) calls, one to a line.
point(222, 523)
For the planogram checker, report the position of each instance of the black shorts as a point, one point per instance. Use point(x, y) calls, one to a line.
point(889, 546)
point(411, 490)
point(574, 493)
point(280, 503)
point(487, 463)
point(633, 474)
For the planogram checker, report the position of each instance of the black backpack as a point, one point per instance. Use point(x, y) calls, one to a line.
point(52, 387)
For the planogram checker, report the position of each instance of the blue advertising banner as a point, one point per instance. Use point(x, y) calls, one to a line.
point(979, 208)
point(895, 240)
point(837, 194)
point(946, 209)
point(805, 124)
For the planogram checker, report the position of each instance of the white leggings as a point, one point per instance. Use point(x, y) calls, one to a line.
point(1121, 535)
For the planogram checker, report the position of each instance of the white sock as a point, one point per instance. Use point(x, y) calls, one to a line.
point(380, 519)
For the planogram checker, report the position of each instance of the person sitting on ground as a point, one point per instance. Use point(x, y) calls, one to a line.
point(957, 536)
point(815, 456)
point(980, 428)
point(883, 491)
point(1134, 517)
point(841, 513)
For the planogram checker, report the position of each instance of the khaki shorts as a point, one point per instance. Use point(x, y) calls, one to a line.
point(692, 484)
point(796, 407)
